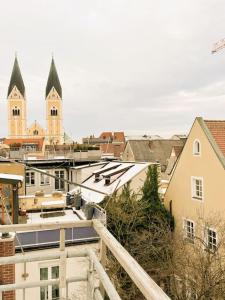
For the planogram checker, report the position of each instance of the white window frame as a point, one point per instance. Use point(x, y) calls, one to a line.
point(30, 184)
point(46, 179)
point(207, 247)
point(186, 232)
point(60, 183)
point(193, 188)
point(48, 266)
point(196, 153)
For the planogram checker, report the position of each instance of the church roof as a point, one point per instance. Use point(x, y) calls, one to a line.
point(53, 80)
point(16, 79)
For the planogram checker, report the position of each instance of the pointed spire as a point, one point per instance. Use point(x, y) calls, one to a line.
point(16, 79)
point(53, 80)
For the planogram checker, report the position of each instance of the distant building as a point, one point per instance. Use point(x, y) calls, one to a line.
point(111, 144)
point(17, 109)
point(179, 137)
point(175, 154)
point(155, 151)
point(111, 177)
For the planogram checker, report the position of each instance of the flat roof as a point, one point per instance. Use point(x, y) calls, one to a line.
point(35, 217)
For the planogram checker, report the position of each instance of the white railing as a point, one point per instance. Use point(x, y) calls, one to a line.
point(95, 289)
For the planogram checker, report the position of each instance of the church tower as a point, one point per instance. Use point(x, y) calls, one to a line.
point(54, 132)
point(16, 104)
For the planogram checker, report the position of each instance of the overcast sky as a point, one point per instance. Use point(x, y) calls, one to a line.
point(132, 65)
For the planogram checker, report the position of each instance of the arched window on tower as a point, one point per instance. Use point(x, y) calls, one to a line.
point(15, 111)
point(35, 132)
point(54, 111)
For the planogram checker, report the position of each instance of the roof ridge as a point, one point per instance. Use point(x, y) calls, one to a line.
point(214, 120)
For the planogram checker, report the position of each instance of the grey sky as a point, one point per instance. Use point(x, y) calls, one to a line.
point(128, 65)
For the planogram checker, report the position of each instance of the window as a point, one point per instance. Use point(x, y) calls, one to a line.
point(45, 179)
point(197, 188)
point(59, 184)
point(35, 132)
point(54, 111)
point(189, 230)
point(30, 178)
point(211, 239)
point(196, 148)
point(49, 292)
point(15, 111)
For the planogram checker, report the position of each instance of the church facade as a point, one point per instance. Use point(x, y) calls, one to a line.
point(17, 109)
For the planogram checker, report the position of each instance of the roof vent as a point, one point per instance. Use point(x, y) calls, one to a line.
point(97, 177)
point(107, 180)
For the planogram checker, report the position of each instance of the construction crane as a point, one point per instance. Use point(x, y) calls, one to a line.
point(218, 46)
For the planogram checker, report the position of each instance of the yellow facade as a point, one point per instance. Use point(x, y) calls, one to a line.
point(17, 115)
point(209, 168)
point(36, 130)
point(54, 132)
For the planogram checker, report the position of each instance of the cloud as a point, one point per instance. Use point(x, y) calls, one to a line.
point(123, 64)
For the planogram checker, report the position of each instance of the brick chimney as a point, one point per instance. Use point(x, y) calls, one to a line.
point(7, 272)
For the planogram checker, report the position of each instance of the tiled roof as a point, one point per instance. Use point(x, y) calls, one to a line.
point(16, 79)
point(119, 136)
point(178, 150)
point(115, 149)
point(217, 129)
point(38, 141)
point(154, 151)
point(106, 135)
point(53, 80)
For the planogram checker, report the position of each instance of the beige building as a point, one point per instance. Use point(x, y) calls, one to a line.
point(17, 106)
point(196, 190)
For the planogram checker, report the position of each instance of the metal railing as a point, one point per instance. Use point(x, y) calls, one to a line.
point(95, 275)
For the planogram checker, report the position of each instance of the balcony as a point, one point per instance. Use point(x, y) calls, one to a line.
point(93, 279)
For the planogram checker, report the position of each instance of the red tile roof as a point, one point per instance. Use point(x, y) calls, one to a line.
point(106, 135)
point(115, 136)
point(119, 136)
point(115, 149)
point(22, 141)
point(217, 129)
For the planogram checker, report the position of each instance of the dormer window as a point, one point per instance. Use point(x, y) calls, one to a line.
point(107, 180)
point(196, 148)
point(15, 111)
point(54, 111)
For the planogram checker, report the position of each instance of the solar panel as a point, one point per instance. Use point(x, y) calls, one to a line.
point(48, 238)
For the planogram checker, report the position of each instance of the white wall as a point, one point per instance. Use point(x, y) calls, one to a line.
point(75, 266)
point(46, 188)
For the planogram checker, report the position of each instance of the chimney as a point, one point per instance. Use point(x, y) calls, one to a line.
point(7, 272)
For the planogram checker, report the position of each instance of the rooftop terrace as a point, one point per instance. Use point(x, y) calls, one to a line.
point(93, 274)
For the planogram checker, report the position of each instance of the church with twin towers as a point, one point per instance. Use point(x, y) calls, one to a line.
point(17, 108)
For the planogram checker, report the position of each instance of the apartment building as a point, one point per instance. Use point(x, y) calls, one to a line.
point(196, 190)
